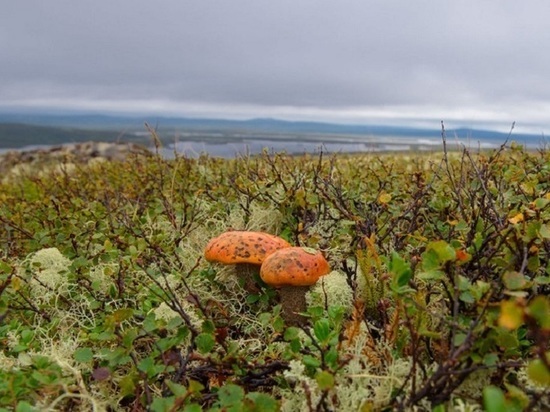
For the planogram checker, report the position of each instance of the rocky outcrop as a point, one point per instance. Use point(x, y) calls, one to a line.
point(72, 152)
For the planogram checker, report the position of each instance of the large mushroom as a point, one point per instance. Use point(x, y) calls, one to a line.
point(246, 249)
point(293, 270)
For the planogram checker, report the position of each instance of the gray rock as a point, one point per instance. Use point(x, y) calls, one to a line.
point(72, 152)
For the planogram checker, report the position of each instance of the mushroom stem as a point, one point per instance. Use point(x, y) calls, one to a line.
point(245, 274)
point(293, 303)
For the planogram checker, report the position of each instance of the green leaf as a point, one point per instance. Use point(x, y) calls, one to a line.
point(321, 329)
point(149, 323)
point(195, 386)
point(24, 406)
point(311, 361)
point(4, 267)
point(539, 308)
point(467, 297)
point(250, 299)
point(262, 402)
point(433, 274)
point(430, 260)
point(545, 231)
point(162, 404)
point(176, 388)
point(532, 231)
point(129, 336)
point(490, 359)
point(464, 283)
point(123, 314)
point(516, 397)
point(493, 399)
point(149, 366)
point(538, 372)
point(331, 357)
point(83, 355)
point(174, 323)
point(127, 384)
point(26, 336)
point(230, 395)
point(325, 380)
point(514, 281)
point(459, 339)
point(444, 251)
point(208, 326)
point(400, 269)
point(205, 342)
point(541, 202)
point(295, 345)
point(507, 339)
point(193, 407)
point(264, 318)
point(336, 314)
point(3, 305)
point(278, 324)
point(291, 333)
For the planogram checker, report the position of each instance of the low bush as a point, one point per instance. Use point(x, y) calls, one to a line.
point(437, 299)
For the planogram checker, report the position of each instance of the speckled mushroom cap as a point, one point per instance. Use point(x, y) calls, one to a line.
point(294, 266)
point(243, 247)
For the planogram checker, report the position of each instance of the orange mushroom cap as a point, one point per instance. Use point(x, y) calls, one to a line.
point(243, 247)
point(294, 266)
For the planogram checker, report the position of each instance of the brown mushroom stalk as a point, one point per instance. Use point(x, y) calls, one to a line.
point(292, 270)
point(293, 303)
point(247, 250)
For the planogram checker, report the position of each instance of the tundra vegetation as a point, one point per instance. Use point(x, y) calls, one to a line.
point(437, 298)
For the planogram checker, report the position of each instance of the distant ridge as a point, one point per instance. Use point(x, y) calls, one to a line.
point(16, 135)
point(21, 129)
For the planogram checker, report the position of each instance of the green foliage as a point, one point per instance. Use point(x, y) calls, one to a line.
point(105, 298)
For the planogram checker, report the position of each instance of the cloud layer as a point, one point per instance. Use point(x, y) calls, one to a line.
point(360, 61)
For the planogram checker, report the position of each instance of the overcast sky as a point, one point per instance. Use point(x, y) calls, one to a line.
point(472, 62)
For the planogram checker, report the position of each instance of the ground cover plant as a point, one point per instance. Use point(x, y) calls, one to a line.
point(437, 299)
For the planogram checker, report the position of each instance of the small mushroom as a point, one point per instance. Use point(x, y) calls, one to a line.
point(246, 249)
point(292, 270)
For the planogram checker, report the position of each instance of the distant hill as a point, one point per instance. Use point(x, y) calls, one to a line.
point(21, 129)
point(14, 135)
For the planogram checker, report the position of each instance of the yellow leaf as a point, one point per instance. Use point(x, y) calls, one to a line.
point(511, 315)
point(516, 219)
point(16, 283)
point(384, 198)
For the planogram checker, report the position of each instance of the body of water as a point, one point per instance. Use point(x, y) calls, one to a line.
point(232, 149)
point(310, 144)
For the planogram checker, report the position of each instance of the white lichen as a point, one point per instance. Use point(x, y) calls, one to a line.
point(527, 382)
point(264, 219)
point(362, 383)
point(48, 269)
point(7, 363)
point(165, 313)
point(331, 290)
point(12, 339)
point(469, 389)
point(102, 276)
point(295, 372)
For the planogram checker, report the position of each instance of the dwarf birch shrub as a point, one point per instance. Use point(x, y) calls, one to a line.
point(439, 284)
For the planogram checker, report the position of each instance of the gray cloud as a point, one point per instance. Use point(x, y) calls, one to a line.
point(315, 56)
